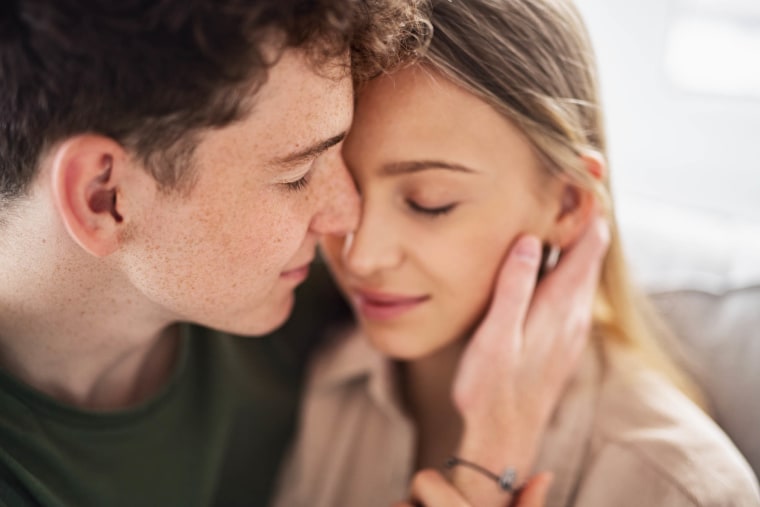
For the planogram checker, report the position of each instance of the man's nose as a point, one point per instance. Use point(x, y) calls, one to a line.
point(339, 201)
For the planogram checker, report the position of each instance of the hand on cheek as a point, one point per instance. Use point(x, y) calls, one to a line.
point(515, 367)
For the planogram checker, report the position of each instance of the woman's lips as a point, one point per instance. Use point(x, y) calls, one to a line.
point(384, 306)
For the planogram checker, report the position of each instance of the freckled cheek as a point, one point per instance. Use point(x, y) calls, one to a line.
point(264, 251)
point(198, 256)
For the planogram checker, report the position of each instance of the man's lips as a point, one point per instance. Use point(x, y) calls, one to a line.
point(300, 273)
point(383, 305)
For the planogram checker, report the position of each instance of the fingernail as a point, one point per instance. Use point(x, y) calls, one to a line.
point(528, 248)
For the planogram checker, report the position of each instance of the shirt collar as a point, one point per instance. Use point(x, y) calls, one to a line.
point(344, 359)
point(350, 358)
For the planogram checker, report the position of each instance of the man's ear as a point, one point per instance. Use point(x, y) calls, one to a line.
point(87, 174)
point(578, 205)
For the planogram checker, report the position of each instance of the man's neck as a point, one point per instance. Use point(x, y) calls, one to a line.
point(71, 328)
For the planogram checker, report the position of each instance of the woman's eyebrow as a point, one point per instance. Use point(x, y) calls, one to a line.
point(311, 151)
point(413, 166)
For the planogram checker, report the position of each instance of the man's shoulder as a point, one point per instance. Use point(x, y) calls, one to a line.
point(217, 430)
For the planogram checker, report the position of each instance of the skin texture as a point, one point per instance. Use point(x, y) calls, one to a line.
point(104, 262)
point(450, 257)
point(217, 256)
point(439, 237)
point(515, 367)
point(518, 397)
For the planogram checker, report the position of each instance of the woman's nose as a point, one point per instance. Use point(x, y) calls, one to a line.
point(372, 248)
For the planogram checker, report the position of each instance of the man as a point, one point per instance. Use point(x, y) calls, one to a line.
point(161, 163)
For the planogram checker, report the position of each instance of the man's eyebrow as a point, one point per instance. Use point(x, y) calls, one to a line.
point(413, 166)
point(310, 152)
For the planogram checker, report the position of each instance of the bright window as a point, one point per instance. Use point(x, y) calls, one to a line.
point(714, 47)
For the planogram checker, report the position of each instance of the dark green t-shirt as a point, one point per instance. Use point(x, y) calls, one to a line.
point(213, 436)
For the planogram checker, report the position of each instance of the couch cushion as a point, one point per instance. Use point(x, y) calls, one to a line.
point(722, 337)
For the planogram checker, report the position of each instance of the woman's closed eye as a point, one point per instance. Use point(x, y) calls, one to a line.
point(432, 211)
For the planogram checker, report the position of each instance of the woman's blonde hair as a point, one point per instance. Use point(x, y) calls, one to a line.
point(532, 61)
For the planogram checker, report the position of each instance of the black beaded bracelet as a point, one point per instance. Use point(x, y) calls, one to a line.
point(506, 480)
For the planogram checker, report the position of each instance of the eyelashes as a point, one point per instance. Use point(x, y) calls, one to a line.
point(431, 212)
point(302, 183)
point(299, 184)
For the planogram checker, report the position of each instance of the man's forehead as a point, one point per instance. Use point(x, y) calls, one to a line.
point(297, 75)
point(298, 107)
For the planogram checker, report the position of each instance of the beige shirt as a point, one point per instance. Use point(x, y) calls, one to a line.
point(621, 436)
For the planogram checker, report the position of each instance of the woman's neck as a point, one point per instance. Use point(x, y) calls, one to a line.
point(426, 385)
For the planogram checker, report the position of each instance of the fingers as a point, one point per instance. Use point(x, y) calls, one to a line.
point(499, 337)
point(535, 492)
point(566, 295)
point(583, 260)
point(430, 489)
point(512, 293)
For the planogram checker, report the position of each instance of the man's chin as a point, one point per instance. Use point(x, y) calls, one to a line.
point(261, 322)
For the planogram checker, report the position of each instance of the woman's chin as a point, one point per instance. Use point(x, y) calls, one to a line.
point(402, 347)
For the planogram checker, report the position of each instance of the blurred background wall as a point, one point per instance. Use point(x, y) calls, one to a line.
point(681, 90)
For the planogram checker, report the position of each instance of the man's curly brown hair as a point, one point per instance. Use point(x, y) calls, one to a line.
point(152, 74)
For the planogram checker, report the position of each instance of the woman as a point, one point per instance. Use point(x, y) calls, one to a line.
point(494, 133)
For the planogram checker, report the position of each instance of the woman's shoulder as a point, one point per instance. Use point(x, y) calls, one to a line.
point(654, 444)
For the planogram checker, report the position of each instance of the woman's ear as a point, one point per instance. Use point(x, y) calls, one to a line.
point(595, 164)
point(578, 205)
point(87, 174)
